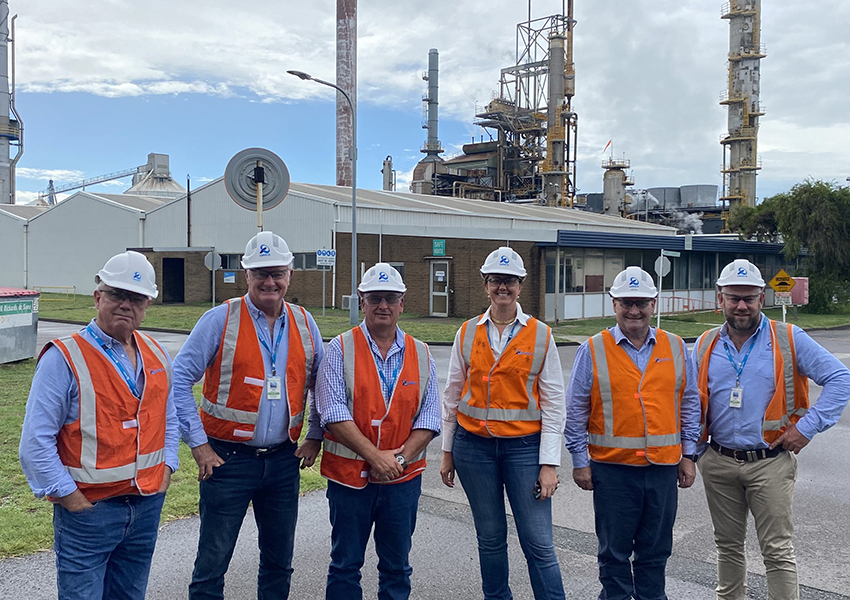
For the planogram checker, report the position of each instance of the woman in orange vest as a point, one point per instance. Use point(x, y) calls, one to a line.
point(503, 418)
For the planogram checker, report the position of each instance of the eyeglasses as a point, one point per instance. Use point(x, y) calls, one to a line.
point(376, 299)
point(263, 275)
point(748, 300)
point(628, 304)
point(118, 296)
point(497, 282)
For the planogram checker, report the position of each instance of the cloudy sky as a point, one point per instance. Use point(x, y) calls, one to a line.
point(102, 83)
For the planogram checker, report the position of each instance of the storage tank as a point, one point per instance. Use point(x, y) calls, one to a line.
point(668, 197)
point(698, 195)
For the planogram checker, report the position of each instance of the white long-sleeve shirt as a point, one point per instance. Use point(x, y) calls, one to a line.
point(553, 410)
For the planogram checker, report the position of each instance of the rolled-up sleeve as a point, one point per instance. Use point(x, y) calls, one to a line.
point(452, 392)
point(553, 408)
point(818, 364)
point(429, 416)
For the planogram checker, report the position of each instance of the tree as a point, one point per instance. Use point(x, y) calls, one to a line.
point(813, 215)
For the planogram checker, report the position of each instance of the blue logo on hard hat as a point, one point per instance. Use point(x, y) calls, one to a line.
point(633, 282)
point(137, 276)
point(742, 272)
point(382, 276)
point(264, 250)
point(503, 260)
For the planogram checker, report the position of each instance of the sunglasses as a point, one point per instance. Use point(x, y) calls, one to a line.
point(628, 304)
point(263, 275)
point(376, 299)
point(118, 296)
point(497, 282)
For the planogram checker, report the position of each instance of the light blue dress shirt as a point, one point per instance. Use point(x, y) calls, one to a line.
point(581, 381)
point(54, 402)
point(741, 428)
point(330, 387)
point(199, 352)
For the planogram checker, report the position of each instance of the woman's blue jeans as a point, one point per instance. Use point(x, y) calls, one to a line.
point(487, 468)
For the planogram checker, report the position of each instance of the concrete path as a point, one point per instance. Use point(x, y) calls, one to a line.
point(444, 555)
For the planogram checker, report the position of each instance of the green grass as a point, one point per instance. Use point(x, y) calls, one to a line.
point(26, 522)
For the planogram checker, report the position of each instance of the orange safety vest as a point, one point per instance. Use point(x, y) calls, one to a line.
point(790, 400)
point(501, 398)
point(386, 424)
point(117, 444)
point(634, 416)
point(233, 385)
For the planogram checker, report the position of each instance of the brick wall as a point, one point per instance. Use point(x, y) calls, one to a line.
point(196, 277)
point(468, 297)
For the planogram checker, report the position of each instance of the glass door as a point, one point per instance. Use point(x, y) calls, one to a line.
point(439, 288)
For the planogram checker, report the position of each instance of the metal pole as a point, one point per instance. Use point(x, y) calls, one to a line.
point(658, 322)
point(324, 270)
point(354, 308)
point(260, 199)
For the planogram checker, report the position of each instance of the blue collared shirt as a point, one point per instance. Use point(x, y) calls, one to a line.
point(54, 402)
point(199, 352)
point(741, 428)
point(581, 381)
point(330, 387)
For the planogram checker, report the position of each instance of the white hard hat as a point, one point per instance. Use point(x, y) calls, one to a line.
point(266, 250)
point(382, 278)
point(634, 282)
point(504, 261)
point(129, 271)
point(740, 272)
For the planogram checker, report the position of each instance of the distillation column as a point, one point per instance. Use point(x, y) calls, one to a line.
point(432, 147)
point(740, 144)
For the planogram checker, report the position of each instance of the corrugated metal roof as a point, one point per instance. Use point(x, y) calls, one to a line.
point(470, 207)
point(24, 211)
point(134, 201)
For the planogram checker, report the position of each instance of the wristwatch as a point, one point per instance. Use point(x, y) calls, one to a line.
point(401, 460)
point(693, 457)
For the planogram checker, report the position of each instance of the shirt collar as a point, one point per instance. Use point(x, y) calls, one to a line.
point(257, 313)
point(399, 335)
point(619, 336)
point(104, 337)
point(520, 316)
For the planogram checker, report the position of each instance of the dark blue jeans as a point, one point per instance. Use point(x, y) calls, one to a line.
point(392, 510)
point(487, 468)
point(271, 482)
point(635, 510)
point(105, 551)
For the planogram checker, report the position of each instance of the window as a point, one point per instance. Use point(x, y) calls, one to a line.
point(593, 271)
point(398, 266)
point(231, 261)
point(680, 272)
point(696, 271)
point(304, 261)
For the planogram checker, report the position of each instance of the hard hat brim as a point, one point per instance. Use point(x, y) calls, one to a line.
point(127, 287)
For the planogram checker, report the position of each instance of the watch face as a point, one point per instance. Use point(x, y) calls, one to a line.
point(400, 459)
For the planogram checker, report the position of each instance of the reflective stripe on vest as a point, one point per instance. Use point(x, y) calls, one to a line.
point(217, 402)
point(529, 413)
point(88, 472)
point(796, 402)
point(608, 439)
point(372, 413)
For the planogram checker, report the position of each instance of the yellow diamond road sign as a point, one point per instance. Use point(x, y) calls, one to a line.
point(782, 282)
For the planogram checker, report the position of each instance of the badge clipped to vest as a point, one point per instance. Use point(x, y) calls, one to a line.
point(736, 397)
point(273, 387)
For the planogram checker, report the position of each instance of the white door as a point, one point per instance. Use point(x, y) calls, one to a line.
point(439, 288)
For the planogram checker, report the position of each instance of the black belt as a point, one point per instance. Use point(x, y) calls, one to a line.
point(249, 450)
point(747, 455)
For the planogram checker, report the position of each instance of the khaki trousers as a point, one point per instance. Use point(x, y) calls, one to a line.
point(766, 489)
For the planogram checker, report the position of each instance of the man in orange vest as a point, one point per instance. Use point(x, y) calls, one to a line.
point(377, 395)
point(100, 438)
point(633, 405)
point(753, 381)
point(258, 356)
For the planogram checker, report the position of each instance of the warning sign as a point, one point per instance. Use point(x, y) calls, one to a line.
point(782, 282)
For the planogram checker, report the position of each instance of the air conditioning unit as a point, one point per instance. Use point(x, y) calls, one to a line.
point(346, 302)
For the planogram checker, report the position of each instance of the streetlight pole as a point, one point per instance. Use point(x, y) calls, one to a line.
point(354, 304)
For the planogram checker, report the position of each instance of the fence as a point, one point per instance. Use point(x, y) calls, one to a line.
point(60, 293)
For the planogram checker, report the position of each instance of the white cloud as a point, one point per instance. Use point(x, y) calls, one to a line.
point(57, 175)
point(22, 197)
point(648, 72)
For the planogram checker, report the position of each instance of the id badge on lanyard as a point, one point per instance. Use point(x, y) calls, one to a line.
point(736, 398)
point(273, 385)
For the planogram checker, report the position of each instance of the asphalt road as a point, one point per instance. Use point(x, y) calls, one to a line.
point(444, 556)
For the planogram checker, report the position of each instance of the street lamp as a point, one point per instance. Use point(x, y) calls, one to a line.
point(354, 315)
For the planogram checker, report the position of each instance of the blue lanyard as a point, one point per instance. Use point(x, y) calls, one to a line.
point(130, 383)
point(273, 350)
point(740, 368)
point(391, 384)
point(510, 335)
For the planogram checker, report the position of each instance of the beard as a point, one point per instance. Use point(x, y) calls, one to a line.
point(746, 322)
